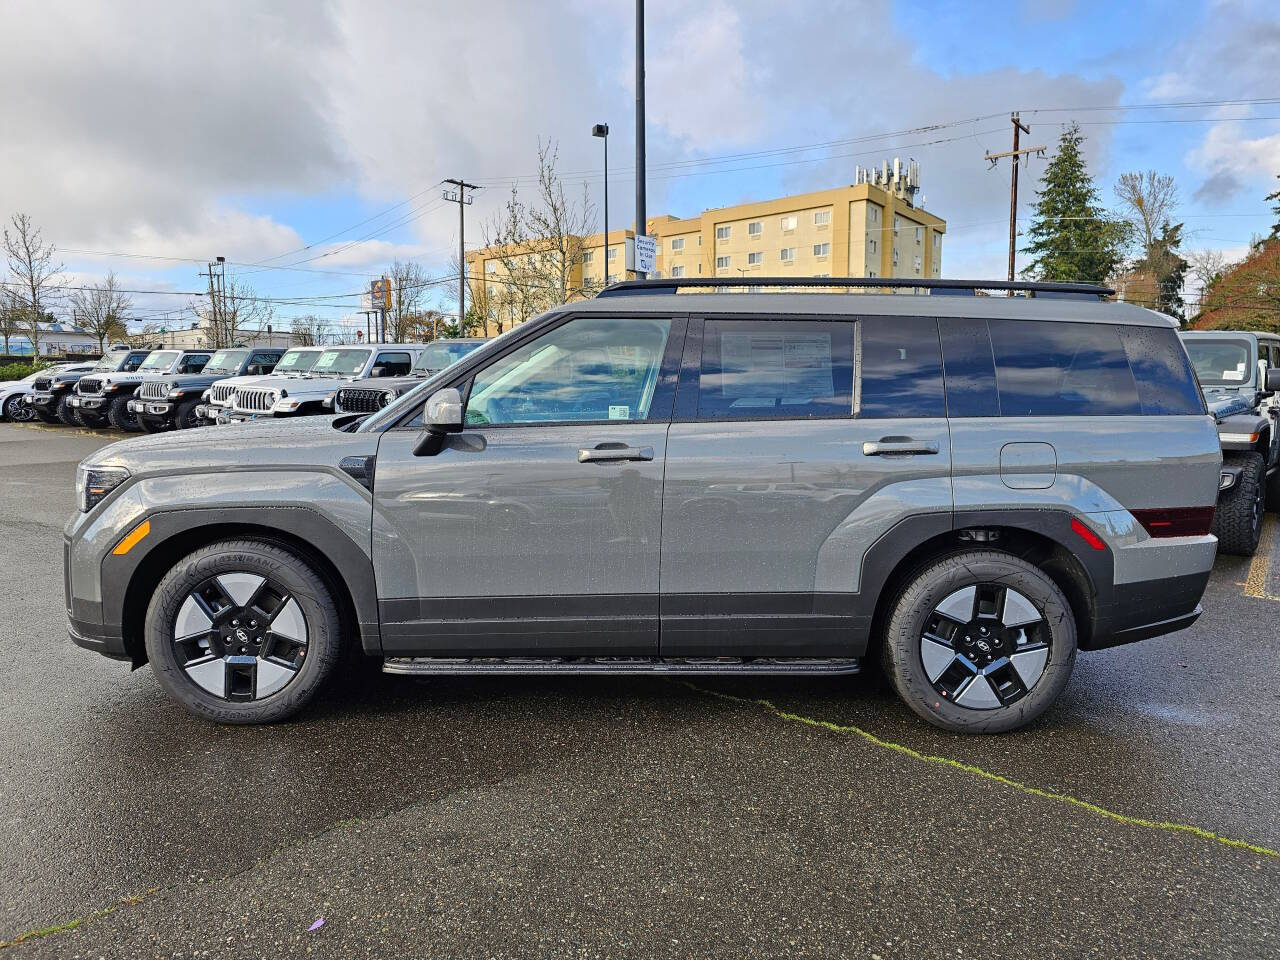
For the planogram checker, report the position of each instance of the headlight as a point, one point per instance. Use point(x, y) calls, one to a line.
point(205, 396)
point(94, 483)
point(108, 387)
point(174, 394)
point(389, 397)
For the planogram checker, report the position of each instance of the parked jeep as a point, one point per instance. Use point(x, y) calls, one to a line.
point(51, 396)
point(297, 396)
point(371, 395)
point(1053, 492)
point(13, 393)
point(1240, 374)
point(169, 402)
point(295, 362)
point(103, 399)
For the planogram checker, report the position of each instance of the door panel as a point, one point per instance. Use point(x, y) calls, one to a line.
point(564, 553)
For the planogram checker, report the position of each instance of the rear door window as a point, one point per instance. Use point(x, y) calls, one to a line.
point(899, 368)
point(1058, 369)
point(776, 369)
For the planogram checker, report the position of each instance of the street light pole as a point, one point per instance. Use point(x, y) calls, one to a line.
point(601, 130)
point(641, 218)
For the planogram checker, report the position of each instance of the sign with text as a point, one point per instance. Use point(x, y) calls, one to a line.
point(380, 292)
point(646, 254)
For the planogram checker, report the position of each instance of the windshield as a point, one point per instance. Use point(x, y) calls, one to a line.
point(340, 363)
point(111, 361)
point(160, 360)
point(297, 361)
point(226, 361)
point(440, 355)
point(1226, 362)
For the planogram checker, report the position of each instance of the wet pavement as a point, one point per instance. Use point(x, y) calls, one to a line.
point(629, 817)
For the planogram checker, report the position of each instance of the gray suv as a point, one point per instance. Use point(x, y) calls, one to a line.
point(965, 489)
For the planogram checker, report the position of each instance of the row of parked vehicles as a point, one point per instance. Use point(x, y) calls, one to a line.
point(963, 489)
point(156, 390)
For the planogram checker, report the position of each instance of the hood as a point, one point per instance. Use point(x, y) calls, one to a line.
point(1223, 404)
point(312, 441)
point(397, 384)
point(187, 381)
point(247, 381)
point(68, 376)
point(301, 386)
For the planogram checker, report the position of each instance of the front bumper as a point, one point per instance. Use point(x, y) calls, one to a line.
point(41, 399)
point(154, 408)
point(88, 403)
point(95, 637)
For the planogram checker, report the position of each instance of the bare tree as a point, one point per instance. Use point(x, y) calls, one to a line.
point(1207, 266)
point(148, 335)
point(36, 269)
point(242, 312)
point(1149, 200)
point(100, 310)
point(534, 250)
point(409, 284)
point(12, 316)
point(309, 331)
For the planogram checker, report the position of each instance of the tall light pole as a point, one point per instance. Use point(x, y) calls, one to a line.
point(601, 130)
point(464, 200)
point(641, 218)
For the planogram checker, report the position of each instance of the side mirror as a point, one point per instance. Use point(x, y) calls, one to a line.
point(378, 372)
point(1272, 381)
point(441, 416)
point(255, 370)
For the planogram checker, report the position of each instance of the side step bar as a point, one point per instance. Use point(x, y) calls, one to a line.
point(613, 666)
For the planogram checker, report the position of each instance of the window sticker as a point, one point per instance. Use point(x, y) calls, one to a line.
point(799, 363)
point(1232, 374)
point(619, 411)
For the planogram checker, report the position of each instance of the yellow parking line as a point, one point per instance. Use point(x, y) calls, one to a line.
point(993, 777)
point(1255, 584)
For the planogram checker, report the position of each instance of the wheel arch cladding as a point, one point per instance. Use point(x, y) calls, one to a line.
point(1027, 537)
point(344, 566)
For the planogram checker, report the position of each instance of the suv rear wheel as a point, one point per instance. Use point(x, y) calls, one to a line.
point(118, 415)
point(1237, 523)
point(980, 642)
point(241, 632)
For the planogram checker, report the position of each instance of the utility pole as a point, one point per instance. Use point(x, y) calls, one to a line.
point(217, 275)
point(463, 199)
point(642, 221)
point(1015, 154)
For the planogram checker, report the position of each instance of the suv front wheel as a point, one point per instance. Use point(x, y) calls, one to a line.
point(980, 642)
point(242, 631)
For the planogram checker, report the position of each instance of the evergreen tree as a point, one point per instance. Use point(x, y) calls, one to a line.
point(1072, 238)
point(1275, 229)
point(1169, 268)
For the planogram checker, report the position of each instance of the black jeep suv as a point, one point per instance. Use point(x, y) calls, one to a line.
point(169, 402)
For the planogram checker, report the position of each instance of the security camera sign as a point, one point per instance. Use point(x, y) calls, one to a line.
point(644, 252)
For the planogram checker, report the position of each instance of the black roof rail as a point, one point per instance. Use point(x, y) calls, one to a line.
point(962, 288)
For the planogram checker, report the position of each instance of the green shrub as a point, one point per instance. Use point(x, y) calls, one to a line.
point(16, 371)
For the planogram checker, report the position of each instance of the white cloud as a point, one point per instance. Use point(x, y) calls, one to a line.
point(1228, 148)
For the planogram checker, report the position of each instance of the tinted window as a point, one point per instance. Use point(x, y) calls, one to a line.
point(592, 368)
point(970, 369)
point(1166, 385)
point(193, 363)
point(770, 369)
point(394, 364)
point(899, 368)
point(1052, 369)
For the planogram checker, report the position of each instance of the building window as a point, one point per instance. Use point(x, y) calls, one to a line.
point(895, 256)
point(613, 253)
point(789, 222)
point(822, 275)
point(755, 228)
point(787, 254)
point(491, 266)
point(919, 234)
point(919, 264)
point(677, 244)
point(873, 245)
point(875, 214)
point(611, 278)
point(937, 241)
point(677, 271)
point(722, 233)
point(722, 263)
point(896, 222)
point(822, 249)
point(822, 218)
point(755, 259)
point(699, 268)
point(871, 273)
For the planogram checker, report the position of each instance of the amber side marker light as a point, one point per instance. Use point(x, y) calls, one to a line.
point(133, 539)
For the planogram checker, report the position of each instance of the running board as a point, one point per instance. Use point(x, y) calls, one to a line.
point(533, 666)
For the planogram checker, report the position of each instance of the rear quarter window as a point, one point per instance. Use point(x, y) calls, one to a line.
point(1053, 369)
point(1166, 382)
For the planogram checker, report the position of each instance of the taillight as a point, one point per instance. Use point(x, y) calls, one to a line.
point(1176, 521)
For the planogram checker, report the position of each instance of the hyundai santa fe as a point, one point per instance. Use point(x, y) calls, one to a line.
point(678, 479)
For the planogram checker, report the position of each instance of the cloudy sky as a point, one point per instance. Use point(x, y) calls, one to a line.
point(306, 141)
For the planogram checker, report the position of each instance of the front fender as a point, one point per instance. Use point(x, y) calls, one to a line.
point(1247, 431)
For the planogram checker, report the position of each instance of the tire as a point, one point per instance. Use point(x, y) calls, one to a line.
point(146, 426)
point(184, 418)
point(15, 411)
point(987, 599)
point(65, 413)
point(1237, 523)
point(118, 415)
point(43, 416)
point(274, 676)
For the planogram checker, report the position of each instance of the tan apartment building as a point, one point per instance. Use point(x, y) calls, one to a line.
point(867, 229)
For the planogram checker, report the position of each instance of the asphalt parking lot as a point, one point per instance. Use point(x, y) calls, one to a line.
point(644, 818)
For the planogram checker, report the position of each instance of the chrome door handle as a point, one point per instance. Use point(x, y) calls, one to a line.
point(610, 452)
point(881, 448)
